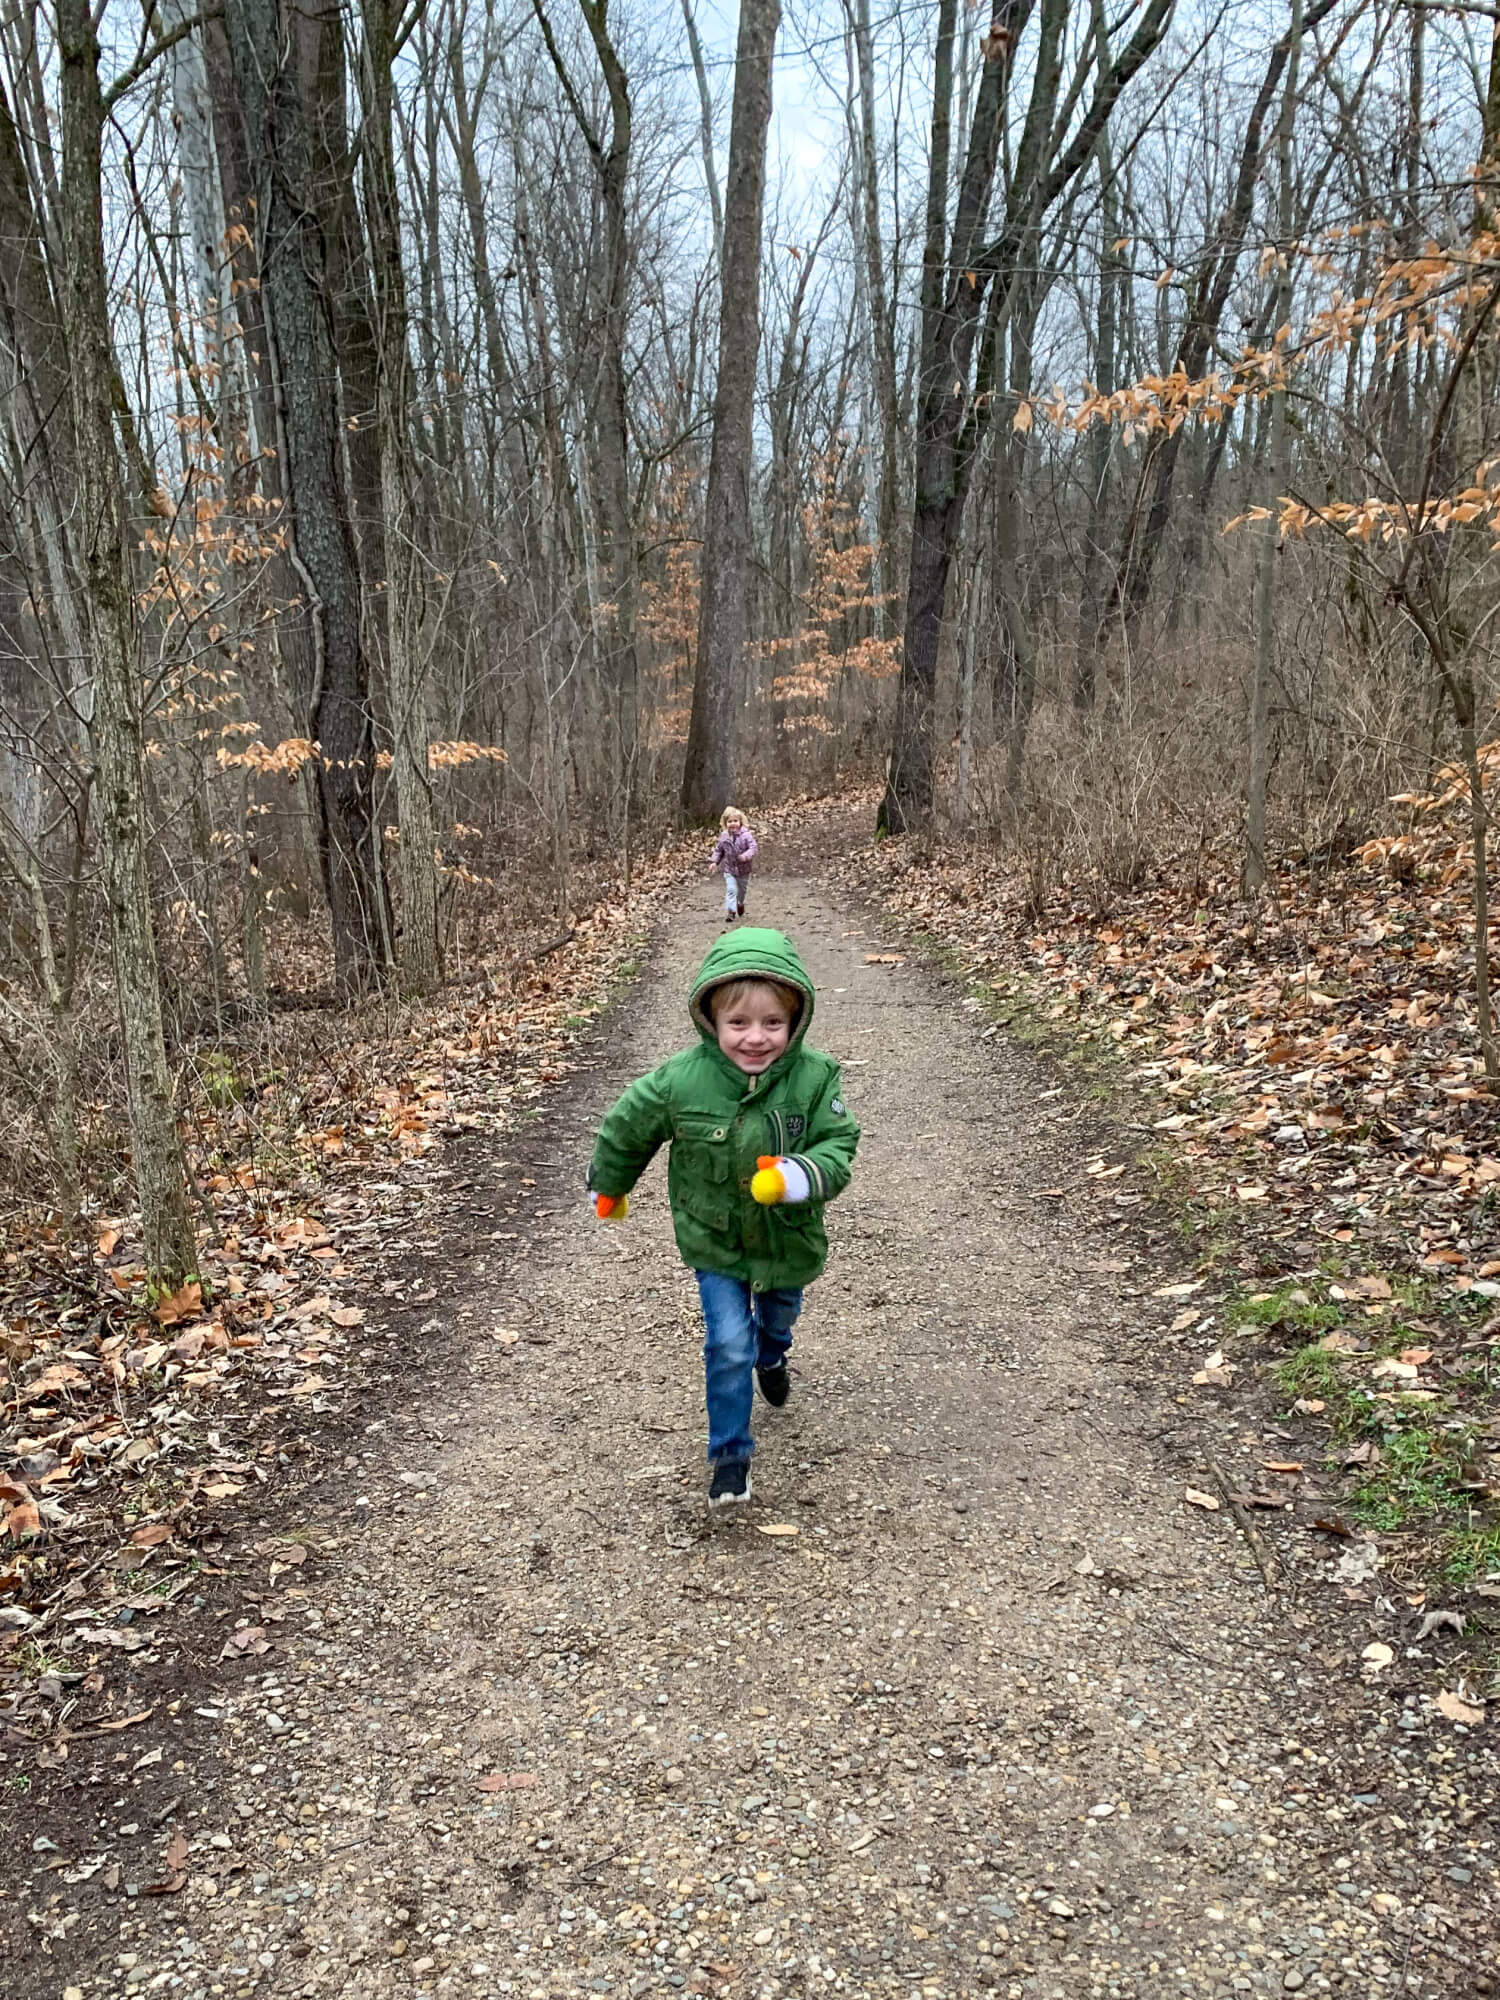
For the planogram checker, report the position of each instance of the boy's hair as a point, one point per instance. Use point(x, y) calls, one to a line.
point(732, 812)
point(733, 990)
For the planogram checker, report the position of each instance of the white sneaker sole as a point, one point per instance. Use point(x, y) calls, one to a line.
point(730, 1499)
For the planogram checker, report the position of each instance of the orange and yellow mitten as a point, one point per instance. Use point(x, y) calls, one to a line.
point(779, 1179)
point(611, 1207)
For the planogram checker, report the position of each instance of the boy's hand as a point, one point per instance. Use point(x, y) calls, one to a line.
point(611, 1207)
point(776, 1180)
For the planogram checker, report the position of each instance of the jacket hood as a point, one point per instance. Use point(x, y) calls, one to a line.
point(752, 954)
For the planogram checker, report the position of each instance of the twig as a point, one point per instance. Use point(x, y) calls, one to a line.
point(1265, 1556)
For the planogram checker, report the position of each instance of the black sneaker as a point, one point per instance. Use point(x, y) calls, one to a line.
point(775, 1383)
point(730, 1485)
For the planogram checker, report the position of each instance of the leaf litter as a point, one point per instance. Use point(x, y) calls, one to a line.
point(116, 1406)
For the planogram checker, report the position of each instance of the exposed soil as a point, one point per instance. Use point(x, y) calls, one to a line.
point(969, 1698)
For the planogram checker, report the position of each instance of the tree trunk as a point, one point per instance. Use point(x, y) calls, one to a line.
point(1253, 873)
point(611, 422)
point(498, 408)
point(708, 773)
point(882, 340)
point(116, 727)
point(420, 972)
point(706, 118)
point(943, 461)
point(299, 326)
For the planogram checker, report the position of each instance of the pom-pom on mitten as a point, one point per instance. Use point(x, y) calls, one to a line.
point(779, 1179)
point(611, 1207)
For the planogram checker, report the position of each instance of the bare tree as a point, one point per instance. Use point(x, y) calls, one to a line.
point(708, 774)
point(300, 334)
point(403, 581)
point(1254, 870)
point(968, 287)
point(116, 731)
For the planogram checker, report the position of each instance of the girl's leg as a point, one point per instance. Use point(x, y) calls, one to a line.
point(731, 896)
point(729, 1349)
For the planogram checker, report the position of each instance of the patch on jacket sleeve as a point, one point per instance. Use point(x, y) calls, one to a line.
point(796, 1125)
point(838, 1107)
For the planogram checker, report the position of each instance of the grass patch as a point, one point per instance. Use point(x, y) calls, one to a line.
point(1471, 1555)
point(1287, 1308)
point(1417, 1478)
point(1312, 1374)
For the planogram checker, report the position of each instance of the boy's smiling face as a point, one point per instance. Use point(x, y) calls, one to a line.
point(753, 1027)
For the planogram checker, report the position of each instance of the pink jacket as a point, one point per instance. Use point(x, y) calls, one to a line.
point(734, 853)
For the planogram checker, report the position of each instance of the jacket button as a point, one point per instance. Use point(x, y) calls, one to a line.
point(719, 1133)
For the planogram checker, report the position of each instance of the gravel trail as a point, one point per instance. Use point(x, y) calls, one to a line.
point(967, 1701)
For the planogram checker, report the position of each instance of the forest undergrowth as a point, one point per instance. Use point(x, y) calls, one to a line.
point(127, 1418)
point(1297, 1083)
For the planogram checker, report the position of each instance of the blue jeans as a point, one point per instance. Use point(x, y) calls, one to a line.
point(743, 1331)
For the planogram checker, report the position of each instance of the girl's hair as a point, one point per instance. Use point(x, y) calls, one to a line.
point(734, 990)
point(732, 812)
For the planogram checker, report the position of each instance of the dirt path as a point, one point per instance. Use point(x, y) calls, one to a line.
point(1001, 1714)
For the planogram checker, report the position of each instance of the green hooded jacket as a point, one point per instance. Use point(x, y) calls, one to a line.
point(718, 1121)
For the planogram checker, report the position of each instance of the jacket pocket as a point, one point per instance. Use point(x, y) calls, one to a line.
point(701, 1176)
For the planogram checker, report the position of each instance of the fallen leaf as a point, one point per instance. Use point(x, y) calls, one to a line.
point(1184, 1291)
point(1282, 1464)
point(247, 1639)
point(1393, 1370)
point(127, 1638)
point(152, 1535)
point(1309, 1406)
point(1439, 1621)
point(184, 1304)
point(1340, 1341)
point(1362, 1288)
point(348, 1315)
point(884, 958)
point(1359, 1563)
point(1416, 1355)
point(175, 1861)
point(1195, 1498)
point(506, 1781)
point(1458, 1710)
point(1377, 1655)
point(779, 1528)
point(119, 1722)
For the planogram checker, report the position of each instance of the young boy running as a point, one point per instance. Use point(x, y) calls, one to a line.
point(760, 1139)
